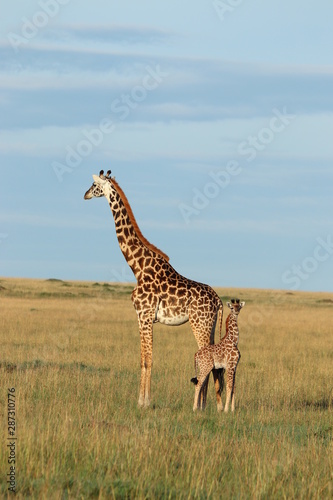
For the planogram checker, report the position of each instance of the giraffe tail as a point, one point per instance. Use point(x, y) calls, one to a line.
point(194, 380)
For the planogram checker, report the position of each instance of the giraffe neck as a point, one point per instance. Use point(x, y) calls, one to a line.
point(133, 245)
point(232, 331)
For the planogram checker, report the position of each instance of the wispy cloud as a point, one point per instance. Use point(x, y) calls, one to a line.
point(105, 33)
point(61, 84)
point(50, 221)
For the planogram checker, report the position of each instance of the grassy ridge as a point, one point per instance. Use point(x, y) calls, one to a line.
point(71, 350)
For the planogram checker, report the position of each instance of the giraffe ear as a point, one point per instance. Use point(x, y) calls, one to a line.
point(242, 304)
point(98, 180)
point(229, 305)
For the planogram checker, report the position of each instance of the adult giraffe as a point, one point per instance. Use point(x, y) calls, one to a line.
point(161, 295)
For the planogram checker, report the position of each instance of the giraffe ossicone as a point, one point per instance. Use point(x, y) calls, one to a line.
point(161, 293)
point(99, 179)
point(222, 356)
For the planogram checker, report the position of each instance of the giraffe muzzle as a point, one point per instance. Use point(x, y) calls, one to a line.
point(88, 195)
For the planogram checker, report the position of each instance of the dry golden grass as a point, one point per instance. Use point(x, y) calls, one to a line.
point(71, 350)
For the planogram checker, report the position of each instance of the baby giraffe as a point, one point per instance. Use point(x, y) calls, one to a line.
point(224, 355)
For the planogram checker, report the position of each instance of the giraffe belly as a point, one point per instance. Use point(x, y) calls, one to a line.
point(218, 365)
point(168, 316)
point(219, 361)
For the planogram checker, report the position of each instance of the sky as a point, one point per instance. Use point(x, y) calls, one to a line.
point(215, 117)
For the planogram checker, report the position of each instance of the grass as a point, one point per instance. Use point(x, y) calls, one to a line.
point(71, 350)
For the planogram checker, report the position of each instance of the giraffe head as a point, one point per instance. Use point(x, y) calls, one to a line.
point(235, 305)
point(98, 188)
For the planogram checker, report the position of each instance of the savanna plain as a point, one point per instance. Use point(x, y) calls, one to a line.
point(71, 350)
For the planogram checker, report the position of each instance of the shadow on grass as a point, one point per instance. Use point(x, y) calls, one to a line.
point(325, 403)
point(38, 364)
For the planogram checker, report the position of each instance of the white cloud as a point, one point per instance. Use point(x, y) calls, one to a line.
point(50, 221)
point(110, 80)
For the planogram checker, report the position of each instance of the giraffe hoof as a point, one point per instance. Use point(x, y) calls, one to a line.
point(143, 403)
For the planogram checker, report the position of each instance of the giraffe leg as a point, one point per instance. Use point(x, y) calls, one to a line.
point(141, 401)
point(203, 329)
point(230, 387)
point(233, 395)
point(218, 381)
point(146, 335)
point(211, 329)
point(203, 394)
point(234, 387)
point(198, 395)
point(236, 361)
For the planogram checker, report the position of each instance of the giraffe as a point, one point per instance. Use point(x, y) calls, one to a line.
point(224, 355)
point(161, 294)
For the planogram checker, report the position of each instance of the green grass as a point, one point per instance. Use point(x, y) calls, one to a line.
point(74, 362)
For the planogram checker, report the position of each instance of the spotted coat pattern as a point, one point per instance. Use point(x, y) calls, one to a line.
point(161, 294)
point(222, 356)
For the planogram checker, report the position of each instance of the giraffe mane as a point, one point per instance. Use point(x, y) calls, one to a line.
point(135, 224)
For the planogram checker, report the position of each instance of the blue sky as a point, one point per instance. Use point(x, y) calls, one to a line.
point(216, 118)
